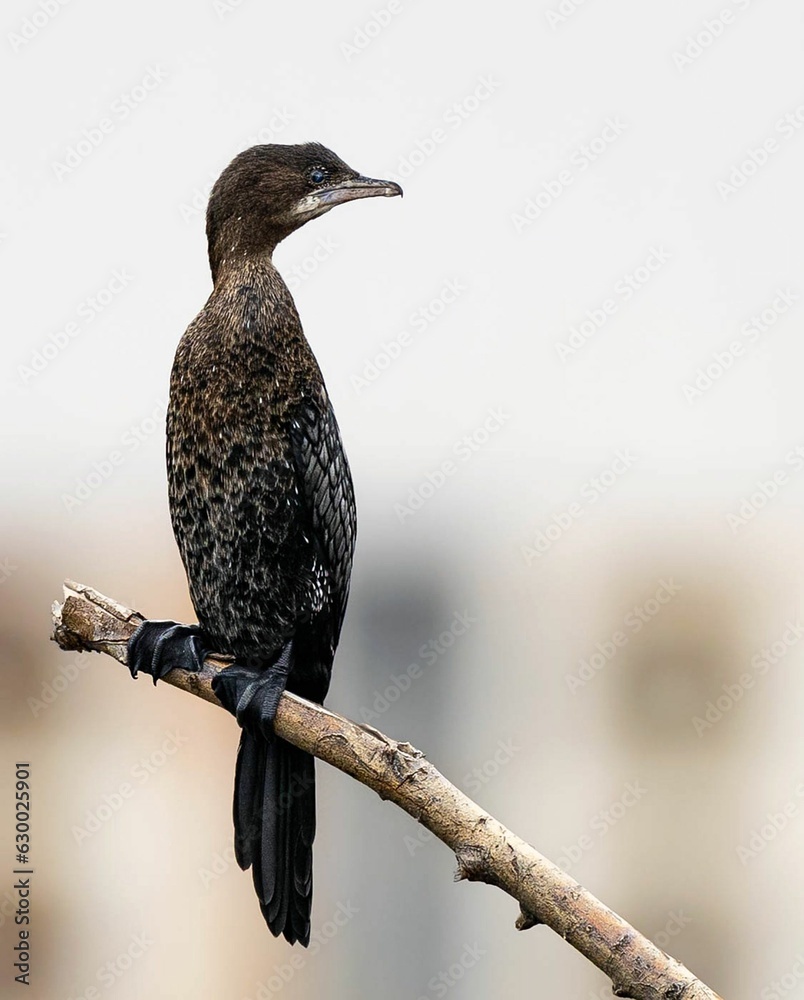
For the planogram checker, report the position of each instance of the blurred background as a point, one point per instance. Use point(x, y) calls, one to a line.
point(567, 369)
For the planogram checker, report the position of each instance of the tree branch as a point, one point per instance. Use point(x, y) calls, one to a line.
point(486, 851)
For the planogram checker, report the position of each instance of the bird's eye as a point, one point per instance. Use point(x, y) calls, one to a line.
point(318, 175)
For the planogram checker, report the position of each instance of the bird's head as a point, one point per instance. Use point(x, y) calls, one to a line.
point(267, 192)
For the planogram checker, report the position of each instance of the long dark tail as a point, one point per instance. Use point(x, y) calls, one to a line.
point(274, 819)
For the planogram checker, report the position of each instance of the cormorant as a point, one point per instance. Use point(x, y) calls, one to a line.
point(262, 506)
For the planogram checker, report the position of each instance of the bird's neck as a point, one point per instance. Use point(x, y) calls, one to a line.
point(232, 245)
point(233, 262)
point(255, 320)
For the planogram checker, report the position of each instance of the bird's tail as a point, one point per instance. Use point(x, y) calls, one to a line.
point(274, 820)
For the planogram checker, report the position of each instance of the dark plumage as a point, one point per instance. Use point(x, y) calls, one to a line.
point(262, 506)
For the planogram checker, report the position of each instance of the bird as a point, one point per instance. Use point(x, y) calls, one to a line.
point(262, 506)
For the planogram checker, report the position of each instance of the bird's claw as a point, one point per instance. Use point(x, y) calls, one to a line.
point(252, 696)
point(157, 647)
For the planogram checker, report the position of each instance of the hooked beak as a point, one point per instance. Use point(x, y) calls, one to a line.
point(350, 190)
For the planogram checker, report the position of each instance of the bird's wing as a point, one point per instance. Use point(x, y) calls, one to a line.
point(326, 491)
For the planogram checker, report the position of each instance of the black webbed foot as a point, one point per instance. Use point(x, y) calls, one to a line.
point(252, 694)
point(158, 647)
